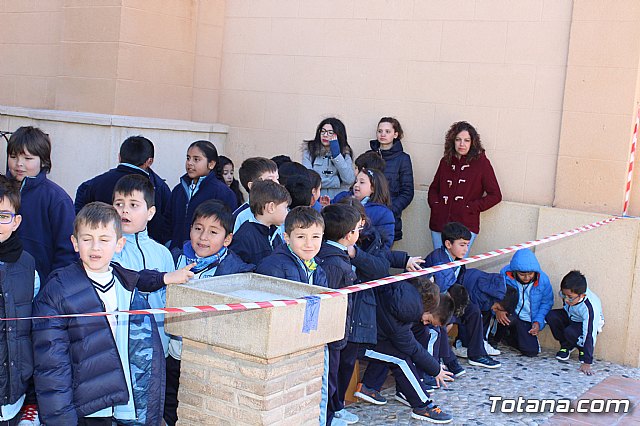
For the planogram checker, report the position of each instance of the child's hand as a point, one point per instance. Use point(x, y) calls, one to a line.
point(535, 329)
point(413, 264)
point(443, 377)
point(503, 317)
point(586, 369)
point(180, 276)
point(324, 200)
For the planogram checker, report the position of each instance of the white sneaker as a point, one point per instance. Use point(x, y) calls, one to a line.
point(29, 416)
point(491, 351)
point(459, 350)
point(346, 416)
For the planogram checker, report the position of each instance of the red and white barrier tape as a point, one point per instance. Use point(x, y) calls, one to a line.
point(342, 291)
point(632, 156)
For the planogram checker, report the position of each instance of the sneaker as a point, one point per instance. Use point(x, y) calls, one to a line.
point(29, 416)
point(484, 361)
point(338, 422)
point(454, 367)
point(459, 350)
point(346, 416)
point(369, 395)
point(581, 355)
point(429, 384)
point(491, 351)
point(402, 399)
point(564, 354)
point(431, 413)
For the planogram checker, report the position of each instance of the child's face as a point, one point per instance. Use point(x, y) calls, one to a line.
point(570, 298)
point(133, 211)
point(275, 214)
point(362, 186)
point(458, 248)
point(428, 319)
point(23, 165)
point(208, 236)
point(525, 277)
point(96, 247)
point(315, 194)
point(305, 242)
point(9, 221)
point(227, 174)
point(197, 164)
point(386, 134)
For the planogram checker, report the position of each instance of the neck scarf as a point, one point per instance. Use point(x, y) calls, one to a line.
point(11, 249)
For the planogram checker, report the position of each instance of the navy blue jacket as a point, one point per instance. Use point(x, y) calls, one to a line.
point(77, 368)
point(337, 265)
point(379, 216)
point(181, 208)
point(284, 264)
point(484, 288)
point(252, 242)
point(445, 278)
point(47, 224)
point(100, 188)
point(399, 310)
point(399, 173)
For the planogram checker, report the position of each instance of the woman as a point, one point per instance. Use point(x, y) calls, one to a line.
point(464, 184)
point(330, 155)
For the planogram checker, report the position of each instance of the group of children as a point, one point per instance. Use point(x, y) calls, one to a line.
point(130, 236)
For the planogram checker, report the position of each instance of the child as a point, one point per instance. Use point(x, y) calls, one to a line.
point(370, 160)
point(210, 236)
point(400, 310)
point(372, 190)
point(224, 171)
point(256, 239)
point(398, 169)
point(316, 186)
point(195, 187)
point(329, 154)
point(83, 364)
point(49, 222)
point(136, 157)
point(20, 283)
point(252, 170)
point(341, 231)
point(455, 238)
point(578, 323)
point(535, 299)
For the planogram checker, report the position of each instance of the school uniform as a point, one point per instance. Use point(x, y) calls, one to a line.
point(254, 241)
point(380, 216)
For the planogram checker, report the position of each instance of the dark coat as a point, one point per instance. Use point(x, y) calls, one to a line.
point(252, 244)
point(284, 264)
point(461, 190)
point(484, 288)
point(399, 173)
point(180, 211)
point(447, 277)
point(379, 216)
point(47, 224)
point(100, 188)
point(77, 364)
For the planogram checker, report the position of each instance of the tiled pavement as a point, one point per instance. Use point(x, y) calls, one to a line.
point(543, 377)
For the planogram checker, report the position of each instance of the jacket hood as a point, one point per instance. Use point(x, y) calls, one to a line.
point(395, 150)
point(525, 261)
point(328, 250)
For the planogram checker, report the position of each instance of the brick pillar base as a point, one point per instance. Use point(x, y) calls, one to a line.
point(224, 387)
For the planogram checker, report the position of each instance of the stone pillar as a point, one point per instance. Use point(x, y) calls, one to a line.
point(251, 367)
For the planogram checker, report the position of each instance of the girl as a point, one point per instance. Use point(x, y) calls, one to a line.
point(224, 171)
point(398, 169)
point(47, 210)
point(196, 186)
point(330, 155)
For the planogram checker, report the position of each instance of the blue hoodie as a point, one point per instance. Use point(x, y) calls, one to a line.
point(484, 288)
point(539, 301)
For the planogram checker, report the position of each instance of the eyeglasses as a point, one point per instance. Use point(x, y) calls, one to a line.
point(567, 298)
point(358, 229)
point(6, 217)
point(327, 132)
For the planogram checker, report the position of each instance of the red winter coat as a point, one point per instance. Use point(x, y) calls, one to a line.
point(461, 190)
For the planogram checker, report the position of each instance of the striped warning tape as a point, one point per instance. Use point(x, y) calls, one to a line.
point(632, 155)
point(338, 292)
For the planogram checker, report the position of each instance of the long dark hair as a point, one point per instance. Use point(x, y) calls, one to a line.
point(315, 147)
point(379, 186)
point(450, 141)
point(235, 185)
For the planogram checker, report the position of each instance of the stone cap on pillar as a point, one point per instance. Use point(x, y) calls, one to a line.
point(265, 333)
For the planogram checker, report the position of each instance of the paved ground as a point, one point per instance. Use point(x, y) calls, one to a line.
point(544, 377)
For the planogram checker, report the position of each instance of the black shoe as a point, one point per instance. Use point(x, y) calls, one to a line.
point(454, 367)
point(563, 354)
point(431, 413)
point(484, 361)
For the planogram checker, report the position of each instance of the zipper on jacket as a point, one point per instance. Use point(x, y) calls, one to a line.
point(144, 261)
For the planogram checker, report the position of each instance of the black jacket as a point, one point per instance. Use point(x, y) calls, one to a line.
point(254, 242)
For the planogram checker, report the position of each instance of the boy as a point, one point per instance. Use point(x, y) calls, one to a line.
point(82, 365)
point(252, 170)
point(257, 238)
point(209, 237)
point(341, 232)
point(535, 299)
point(579, 322)
point(136, 157)
point(401, 336)
point(20, 283)
point(455, 239)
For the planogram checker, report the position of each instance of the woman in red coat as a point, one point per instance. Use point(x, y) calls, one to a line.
point(464, 184)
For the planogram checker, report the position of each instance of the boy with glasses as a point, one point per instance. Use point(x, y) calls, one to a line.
point(579, 321)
